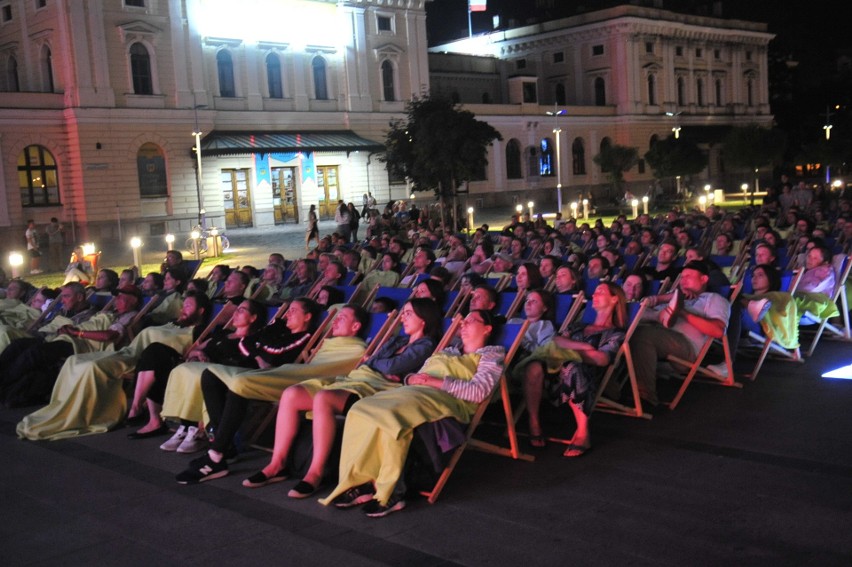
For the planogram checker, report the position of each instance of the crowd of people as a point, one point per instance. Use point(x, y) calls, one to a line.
point(183, 357)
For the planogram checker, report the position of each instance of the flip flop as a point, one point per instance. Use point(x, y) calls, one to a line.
point(538, 441)
point(580, 451)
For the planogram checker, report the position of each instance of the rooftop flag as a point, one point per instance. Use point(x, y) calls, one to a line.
point(476, 5)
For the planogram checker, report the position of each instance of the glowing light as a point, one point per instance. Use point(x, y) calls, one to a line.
point(135, 242)
point(16, 259)
point(837, 183)
point(88, 248)
point(645, 204)
point(519, 207)
point(843, 373)
point(635, 204)
point(195, 235)
point(170, 239)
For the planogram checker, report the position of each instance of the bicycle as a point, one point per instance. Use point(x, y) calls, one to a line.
point(204, 235)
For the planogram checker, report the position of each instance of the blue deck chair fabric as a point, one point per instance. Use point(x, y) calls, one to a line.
point(348, 291)
point(399, 294)
point(504, 301)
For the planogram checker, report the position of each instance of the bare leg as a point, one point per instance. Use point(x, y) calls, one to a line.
point(533, 387)
point(144, 381)
point(327, 405)
point(581, 441)
point(294, 400)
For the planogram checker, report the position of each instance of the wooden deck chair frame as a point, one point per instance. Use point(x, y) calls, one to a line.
point(700, 373)
point(770, 347)
point(576, 307)
point(223, 317)
point(842, 333)
point(133, 328)
point(512, 451)
point(607, 405)
point(455, 307)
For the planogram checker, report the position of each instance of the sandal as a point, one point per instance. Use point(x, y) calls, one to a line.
point(538, 441)
point(574, 451)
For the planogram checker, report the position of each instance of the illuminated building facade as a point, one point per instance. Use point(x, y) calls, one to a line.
point(99, 101)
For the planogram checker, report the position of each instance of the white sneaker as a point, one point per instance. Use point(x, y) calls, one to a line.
point(721, 369)
point(195, 441)
point(175, 440)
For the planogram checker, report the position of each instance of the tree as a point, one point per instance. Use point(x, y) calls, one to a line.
point(438, 147)
point(753, 147)
point(614, 161)
point(675, 157)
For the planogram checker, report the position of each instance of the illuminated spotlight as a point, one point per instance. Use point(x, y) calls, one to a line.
point(843, 373)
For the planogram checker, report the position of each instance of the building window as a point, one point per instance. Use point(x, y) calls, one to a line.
point(578, 157)
point(545, 167)
point(649, 47)
point(486, 98)
point(12, 83)
point(681, 92)
point(388, 90)
point(533, 162)
point(597, 49)
point(140, 70)
point(273, 76)
point(558, 57)
point(561, 99)
point(225, 66)
point(513, 160)
point(384, 23)
point(6, 12)
point(717, 54)
point(521, 64)
point(699, 92)
point(151, 170)
point(135, 3)
point(748, 55)
point(718, 88)
point(600, 92)
point(320, 81)
point(698, 52)
point(678, 51)
point(652, 89)
point(530, 94)
point(37, 177)
point(47, 69)
point(39, 4)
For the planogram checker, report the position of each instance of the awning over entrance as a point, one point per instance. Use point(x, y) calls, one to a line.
point(221, 143)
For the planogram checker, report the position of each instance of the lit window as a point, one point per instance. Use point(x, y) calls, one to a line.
point(38, 178)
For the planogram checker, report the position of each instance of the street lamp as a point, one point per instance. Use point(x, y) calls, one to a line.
point(214, 233)
point(520, 208)
point(635, 204)
point(645, 204)
point(744, 187)
point(585, 208)
point(469, 219)
point(198, 175)
point(557, 131)
point(702, 203)
point(170, 242)
point(574, 210)
point(16, 260)
point(135, 244)
point(195, 235)
point(530, 207)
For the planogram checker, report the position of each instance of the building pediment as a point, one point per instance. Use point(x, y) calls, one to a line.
point(138, 29)
point(388, 51)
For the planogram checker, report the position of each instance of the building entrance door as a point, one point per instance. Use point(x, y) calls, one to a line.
point(236, 195)
point(329, 190)
point(284, 201)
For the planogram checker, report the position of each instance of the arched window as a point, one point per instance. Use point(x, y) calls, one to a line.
point(46, 69)
point(151, 169)
point(606, 143)
point(320, 80)
point(12, 84)
point(140, 70)
point(652, 89)
point(699, 92)
point(718, 86)
point(561, 100)
point(38, 177)
point(533, 162)
point(225, 66)
point(545, 167)
point(681, 92)
point(273, 76)
point(600, 92)
point(388, 90)
point(513, 160)
point(578, 156)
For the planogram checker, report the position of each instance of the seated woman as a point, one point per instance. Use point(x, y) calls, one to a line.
point(269, 284)
point(539, 310)
point(303, 279)
point(379, 429)
point(79, 269)
point(814, 294)
point(405, 353)
point(770, 307)
point(226, 345)
point(386, 274)
point(528, 277)
point(635, 287)
point(567, 280)
point(430, 289)
point(329, 296)
point(578, 358)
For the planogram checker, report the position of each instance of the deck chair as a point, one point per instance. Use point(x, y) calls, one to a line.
point(697, 371)
point(510, 337)
point(221, 315)
point(399, 294)
point(768, 346)
point(606, 404)
point(842, 268)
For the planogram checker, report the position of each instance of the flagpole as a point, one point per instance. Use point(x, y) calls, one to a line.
point(469, 21)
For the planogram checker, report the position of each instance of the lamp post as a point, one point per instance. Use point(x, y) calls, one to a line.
point(520, 209)
point(136, 244)
point(16, 260)
point(676, 128)
point(469, 219)
point(744, 187)
point(574, 210)
point(530, 206)
point(677, 180)
point(702, 203)
point(645, 204)
point(195, 235)
point(635, 204)
point(557, 131)
point(214, 233)
point(585, 208)
point(198, 174)
point(170, 242)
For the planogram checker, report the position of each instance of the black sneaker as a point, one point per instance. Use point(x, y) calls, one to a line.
point(375, 510)
point(202, 470)
point(355, 496)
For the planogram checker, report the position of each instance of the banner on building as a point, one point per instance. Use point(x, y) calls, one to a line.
point(476, 5)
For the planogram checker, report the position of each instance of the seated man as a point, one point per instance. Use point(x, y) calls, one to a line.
point(665, 266)
point(89, 395)
point(32, 366)
point(678, 332)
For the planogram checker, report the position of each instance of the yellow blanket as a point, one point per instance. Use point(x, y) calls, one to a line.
point(89, 393)
point(98, 322)
point(781, 322)
point(551, 355)
point(183, 393)
point(379, 429)
point(818, 304)
point(20, 315)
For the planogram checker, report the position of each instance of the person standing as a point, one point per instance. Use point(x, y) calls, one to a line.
point(313, 227)
point(354, 221)
point(342, 218)
point(55, 242)
point(31, 235)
